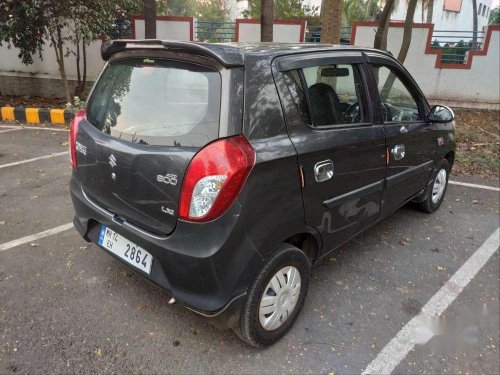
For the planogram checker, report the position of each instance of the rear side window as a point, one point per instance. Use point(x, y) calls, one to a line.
point(333, 93)
point(292, 78)
point(157, 102)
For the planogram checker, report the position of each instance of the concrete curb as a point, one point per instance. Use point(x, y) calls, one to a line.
point(36, 115)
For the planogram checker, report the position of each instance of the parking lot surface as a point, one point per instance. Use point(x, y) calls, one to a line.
point(68, 307)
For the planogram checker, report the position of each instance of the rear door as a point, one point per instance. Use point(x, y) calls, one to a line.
point(341, 152)
point(145, 120)
point(410, 143)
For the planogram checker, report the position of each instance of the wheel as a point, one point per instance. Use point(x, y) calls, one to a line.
point(436, 191)
point(275, 298)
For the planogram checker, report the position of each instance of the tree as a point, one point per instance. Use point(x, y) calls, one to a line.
point(208, 10)
point(331, 21)
point(31, 25)
point(494, 17)
point(430, 10)
point(408, 27)
point(380, 41)
point(266, 21)
point(359, 10)
point(474, 23)
point(150, 19)
point(90, 20)
point(283, 9)
point(372, 9)
point(354, 10)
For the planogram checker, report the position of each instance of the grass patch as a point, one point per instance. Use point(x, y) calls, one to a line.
point(478, 142)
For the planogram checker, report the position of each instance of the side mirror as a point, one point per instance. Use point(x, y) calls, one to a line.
point(440, 114)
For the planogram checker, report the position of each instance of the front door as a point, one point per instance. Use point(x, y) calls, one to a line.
point(410, 146)
point(341, 153)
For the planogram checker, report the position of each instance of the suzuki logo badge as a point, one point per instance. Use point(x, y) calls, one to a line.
point(112, 161)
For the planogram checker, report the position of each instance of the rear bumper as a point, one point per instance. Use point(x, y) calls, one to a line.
point(207, 267)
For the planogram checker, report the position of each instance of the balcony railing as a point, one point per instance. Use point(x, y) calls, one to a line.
point(456, 44)
point(214, 31)
point(313, 34)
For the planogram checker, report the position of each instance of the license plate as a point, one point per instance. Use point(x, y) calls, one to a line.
point(125, 249)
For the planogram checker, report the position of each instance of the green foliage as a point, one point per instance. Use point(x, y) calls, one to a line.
point(494, 17)
point(66, 26)
point(359, 10)
point(23, 25)
point(283, 9)
point(206, 10)
point(31, 24)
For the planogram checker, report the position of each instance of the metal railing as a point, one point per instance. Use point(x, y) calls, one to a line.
point(214, 31)
point(313, 34)
point(456, 44)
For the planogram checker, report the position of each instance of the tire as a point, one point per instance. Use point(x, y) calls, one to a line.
point(251, 330)
point(431, 202)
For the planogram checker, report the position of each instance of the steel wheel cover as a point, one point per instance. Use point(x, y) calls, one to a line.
point(279, 298)
point(439, 186)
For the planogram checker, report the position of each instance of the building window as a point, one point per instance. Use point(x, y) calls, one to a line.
point(479, 9)
point(484, 10)
point(452, 5)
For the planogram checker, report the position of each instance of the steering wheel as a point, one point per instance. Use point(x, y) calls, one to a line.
point(352, 113)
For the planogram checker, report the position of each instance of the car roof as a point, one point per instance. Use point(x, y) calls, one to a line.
point(228, 54)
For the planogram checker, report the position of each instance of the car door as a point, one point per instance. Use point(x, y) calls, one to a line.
point(410, 145)
point(340, 151)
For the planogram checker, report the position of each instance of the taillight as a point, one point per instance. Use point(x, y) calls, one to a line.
point(214, 178)
point(79, 116)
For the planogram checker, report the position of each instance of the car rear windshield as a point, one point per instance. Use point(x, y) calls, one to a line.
point(157, 102)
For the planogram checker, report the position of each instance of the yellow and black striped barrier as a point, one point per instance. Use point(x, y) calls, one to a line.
point(36, 115)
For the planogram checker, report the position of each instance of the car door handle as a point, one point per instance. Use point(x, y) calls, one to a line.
point(403, 130)
point(398, 152)
point(323, 170)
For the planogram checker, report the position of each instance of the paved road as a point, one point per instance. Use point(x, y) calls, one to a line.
point(66, 306)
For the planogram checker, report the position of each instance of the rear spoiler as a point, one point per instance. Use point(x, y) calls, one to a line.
point(228, 56)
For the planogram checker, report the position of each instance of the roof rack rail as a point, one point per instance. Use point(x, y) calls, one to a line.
point(228, 56)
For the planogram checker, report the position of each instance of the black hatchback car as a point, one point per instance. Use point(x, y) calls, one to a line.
point(223, 172)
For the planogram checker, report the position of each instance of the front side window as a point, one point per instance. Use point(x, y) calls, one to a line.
point(157, 102)
point(328, 94)
point(335, 94)
point(398, 104)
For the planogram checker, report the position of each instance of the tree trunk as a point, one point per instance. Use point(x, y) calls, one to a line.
point(57, 42)
point(266, 20)
point(78, 72)
point(383, 26)
point(84, 80)
point(150, 19)
point(408, 28)
point(82, 77)
point(332, 21)
point(430, 10)
point(405, 45)
point(221, 6)
point(474, 23)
